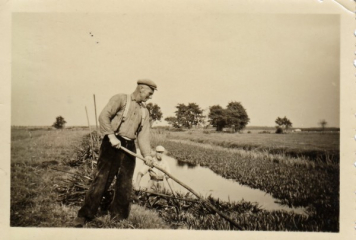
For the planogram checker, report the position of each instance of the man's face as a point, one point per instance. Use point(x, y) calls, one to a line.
point(159, 155)
point(146, 93)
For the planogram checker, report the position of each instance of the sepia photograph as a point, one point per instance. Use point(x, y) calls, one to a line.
point(186, 118)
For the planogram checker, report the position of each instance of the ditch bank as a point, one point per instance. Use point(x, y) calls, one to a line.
point(193, 216)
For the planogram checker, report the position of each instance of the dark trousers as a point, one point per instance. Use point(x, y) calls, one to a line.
point(112, 162)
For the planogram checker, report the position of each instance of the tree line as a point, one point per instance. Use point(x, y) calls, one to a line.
point(234, 116)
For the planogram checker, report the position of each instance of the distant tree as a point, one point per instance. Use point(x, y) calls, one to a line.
point(59, 123)
point(173, 121)
point(234, 116)
point(237, 117)
point(155, 113)
point(217, 117)
point(287, 123)
point(195, 114)
point(279, 121)
point(322, 124)
point(181, 113)
point(283, 122)
point(189, 115)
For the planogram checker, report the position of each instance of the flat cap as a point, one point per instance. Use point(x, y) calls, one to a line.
point(160, 148)
point(147, 82)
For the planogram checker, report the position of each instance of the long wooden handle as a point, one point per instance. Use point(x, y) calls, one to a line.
point(208, 204)
point(169, 185)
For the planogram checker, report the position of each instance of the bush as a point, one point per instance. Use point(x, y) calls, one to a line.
point(59, 123)
point(176, 129)
point(279, 130)
point(264, 132)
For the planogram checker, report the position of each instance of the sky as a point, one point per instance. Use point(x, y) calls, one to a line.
point(275, 65)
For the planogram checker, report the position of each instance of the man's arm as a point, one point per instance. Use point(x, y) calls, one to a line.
point(143, 137)
point(138, 180)
point(140, 174)
point(115, 104)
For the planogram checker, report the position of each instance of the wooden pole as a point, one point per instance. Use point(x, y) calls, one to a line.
point(206, 203)
point(91, 139)
point(86, 111)
point(169, 185)
point(96, 123)
point(167, 196)
point(96, 117)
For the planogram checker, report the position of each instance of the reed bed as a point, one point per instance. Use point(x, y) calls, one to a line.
point(249, 216)
point(72, 190)
point(295, 181)
point(262, 154)
point(316, 189)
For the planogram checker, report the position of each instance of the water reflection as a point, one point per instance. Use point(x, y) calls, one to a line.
point(182, 164)
point(206, 182)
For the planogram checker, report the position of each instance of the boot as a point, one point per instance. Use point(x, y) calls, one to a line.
point(79, 222)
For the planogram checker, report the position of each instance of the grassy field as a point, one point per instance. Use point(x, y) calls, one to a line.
point(315, 145)
point(302, 141)
point(33, 182)
point(295, 181)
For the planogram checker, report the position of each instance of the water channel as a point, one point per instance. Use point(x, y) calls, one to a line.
point(206, 182)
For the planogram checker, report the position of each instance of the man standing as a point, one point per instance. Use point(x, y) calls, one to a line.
point(156, 176)
point(122, 120)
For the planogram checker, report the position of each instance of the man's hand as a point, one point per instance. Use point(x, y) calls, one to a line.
point(149, 161)
point(136, 187)
point(114, 141)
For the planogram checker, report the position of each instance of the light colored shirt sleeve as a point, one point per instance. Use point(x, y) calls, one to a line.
point(166, 167)
point(143, 137)
point(144, 169)
point(115, 104)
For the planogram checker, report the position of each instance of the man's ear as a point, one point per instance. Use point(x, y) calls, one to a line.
point(141, 88)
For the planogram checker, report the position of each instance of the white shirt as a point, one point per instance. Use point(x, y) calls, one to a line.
point(162, 164)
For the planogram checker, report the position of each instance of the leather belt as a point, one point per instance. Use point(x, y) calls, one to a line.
point(156, 178)
point(125, 141)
